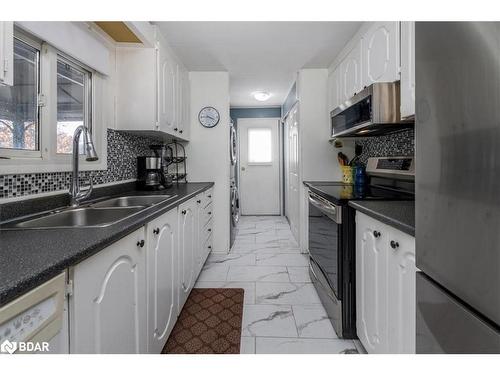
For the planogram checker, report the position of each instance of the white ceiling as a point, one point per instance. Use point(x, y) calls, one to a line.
point(258, 55)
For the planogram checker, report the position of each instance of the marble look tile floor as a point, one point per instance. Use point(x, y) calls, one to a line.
point(282, 311)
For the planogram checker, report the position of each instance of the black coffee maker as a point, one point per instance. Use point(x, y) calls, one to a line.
point(150, 175)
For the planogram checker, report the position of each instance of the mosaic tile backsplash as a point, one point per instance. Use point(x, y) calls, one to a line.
point(396, 144)
point(123, 149)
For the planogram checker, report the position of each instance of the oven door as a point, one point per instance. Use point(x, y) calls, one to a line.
point(324, 240)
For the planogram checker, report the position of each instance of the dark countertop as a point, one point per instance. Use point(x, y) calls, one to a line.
point(397, 214)
point(29, 258)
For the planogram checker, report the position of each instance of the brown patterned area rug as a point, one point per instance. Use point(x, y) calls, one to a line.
point(209, 323)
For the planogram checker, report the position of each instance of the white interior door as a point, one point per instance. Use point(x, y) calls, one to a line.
point(292, 171)
point(259, 166)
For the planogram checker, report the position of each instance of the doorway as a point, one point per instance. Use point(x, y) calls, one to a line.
point(260, 166)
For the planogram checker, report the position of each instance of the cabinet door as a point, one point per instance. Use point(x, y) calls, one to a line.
point(401, 301)
point(188, 240)
point(166, 90)
point(186, 105)
point(371, 284)
point(6, 53)
point(407, 69)
point(381, 53)
point(350, 70)
point(108, 312)
point(162, 279)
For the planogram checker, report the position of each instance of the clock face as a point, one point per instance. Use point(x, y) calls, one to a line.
point(209, 117)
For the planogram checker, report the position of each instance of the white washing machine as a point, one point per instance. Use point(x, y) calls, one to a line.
point(234, 201)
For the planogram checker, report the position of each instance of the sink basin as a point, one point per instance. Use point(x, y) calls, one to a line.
point(133, 201)
point(74, 218)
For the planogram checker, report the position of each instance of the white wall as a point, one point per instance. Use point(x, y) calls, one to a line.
point(208, 149)
point(318, 155)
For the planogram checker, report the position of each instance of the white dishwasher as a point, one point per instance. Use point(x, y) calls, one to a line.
point(37, 321)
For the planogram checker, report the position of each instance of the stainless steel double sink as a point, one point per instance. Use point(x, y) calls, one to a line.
point(101, 213)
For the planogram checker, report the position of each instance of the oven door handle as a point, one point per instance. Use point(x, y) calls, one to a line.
point(332, 211)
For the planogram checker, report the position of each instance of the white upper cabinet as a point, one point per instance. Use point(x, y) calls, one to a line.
point(380, 51)
point(166, 90)
point(407, 70)
point(149, 93)
point(350, 73)
point(6, 53)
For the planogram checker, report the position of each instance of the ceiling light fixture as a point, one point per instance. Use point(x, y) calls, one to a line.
point(261, 96)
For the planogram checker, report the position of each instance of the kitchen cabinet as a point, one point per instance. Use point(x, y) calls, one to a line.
point(380, 52)
point(108, 311)
point(385, 287)
point(350, 73)
point(188, 248)
point(334, 90)
point(371, 283)
point(167, 73)
point(205, 228)
point(407, 70)
point(150, 92)
point(6, 53)
point(127, 297)
point(162, 277)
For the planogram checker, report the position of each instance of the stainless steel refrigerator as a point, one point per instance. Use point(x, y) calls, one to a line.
point(458, 187)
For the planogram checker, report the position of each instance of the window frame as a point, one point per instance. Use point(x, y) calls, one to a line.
point(11, 154)
point(48, 160)
point(88, 113)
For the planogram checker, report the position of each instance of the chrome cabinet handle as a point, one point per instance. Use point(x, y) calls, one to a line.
point(394, 244)
point(376, 234)
point(198, 201)
point(140, 243)
point(209, 229)
point(156, 231)
point(184, 212)
point(209, 247)
point(210, 196)
point(209, 212)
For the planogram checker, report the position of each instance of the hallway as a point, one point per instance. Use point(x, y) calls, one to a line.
point(282, 312)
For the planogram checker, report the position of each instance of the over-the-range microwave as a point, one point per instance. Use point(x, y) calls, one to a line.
point(375, 110)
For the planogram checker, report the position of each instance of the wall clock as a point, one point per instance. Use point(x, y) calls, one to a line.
point(208, 117)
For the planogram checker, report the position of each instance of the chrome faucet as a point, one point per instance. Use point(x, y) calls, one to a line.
point(75, 192)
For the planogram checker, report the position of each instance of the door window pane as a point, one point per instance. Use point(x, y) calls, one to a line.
point(73, 103)
point(19, 125)
point(259, 145)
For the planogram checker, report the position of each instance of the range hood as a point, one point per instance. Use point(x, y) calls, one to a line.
point(373, 111)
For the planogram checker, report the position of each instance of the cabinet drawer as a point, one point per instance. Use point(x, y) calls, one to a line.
point(207, 246)
point(207, 230)
point(207, 197)
point(207, 214)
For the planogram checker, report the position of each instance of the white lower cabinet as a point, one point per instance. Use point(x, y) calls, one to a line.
point(108, 306)
point(385, 287)
point(188, 240)
point(162, 272)
point(127, 297)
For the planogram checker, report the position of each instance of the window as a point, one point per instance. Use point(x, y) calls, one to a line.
point(260, 145)
point(19, 111)
point(73, 103)
point(52, 94)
